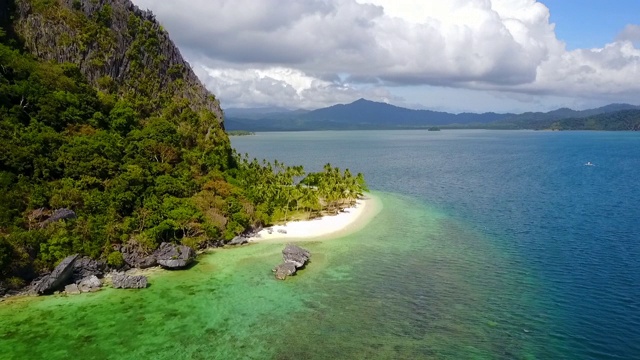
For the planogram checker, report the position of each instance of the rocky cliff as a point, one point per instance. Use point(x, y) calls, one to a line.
point(120, 48)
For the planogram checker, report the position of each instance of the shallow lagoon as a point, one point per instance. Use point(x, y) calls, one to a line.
point(490, 245)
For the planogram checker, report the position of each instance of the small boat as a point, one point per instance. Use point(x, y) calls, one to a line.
point(589, 163)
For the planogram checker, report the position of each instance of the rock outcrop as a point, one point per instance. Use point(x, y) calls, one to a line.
point(245, 236)
point(135, 256)
point(43, 217)
point(60, 214)
point(285, 269)
point(294, 258)
point(296, 255)
point(72, 289)
point(59, 277)
point(85, 267)
point(238, 240)
point(124, 281)
point(90, 284)
point(174, 256)
point(120, 49)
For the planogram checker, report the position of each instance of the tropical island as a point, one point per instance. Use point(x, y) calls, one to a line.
point(113, 150)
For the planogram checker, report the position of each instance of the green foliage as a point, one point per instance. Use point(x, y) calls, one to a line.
point(137, 166)
point(240, 133)
point(115, 259)
point(625, 120)
point(44, 5)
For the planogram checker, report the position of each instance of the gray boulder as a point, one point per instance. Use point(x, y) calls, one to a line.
point(135, 256)
point(238, 240)
point(283, 270)
point(124, 281)
point(59, 277)
point(72, 289)
point(57, 215)
point(90, 284)
point(296, 255)
point(174, 256)
point(85, 267)
point(294, 258)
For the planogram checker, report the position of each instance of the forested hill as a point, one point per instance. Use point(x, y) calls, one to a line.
point(624, 120)
point(363, 114)
point(118, 47)
point(111, 146)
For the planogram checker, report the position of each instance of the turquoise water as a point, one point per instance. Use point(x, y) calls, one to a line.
point(489, 245)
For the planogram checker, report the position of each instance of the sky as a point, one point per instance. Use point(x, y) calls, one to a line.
point(446, 55)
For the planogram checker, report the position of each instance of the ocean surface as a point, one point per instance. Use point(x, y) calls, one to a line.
point(489, 245)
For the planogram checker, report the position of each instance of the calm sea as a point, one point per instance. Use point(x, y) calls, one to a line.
point(490, 245)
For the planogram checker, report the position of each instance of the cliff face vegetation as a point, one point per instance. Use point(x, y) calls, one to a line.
point(111, 145)
point(119, 48)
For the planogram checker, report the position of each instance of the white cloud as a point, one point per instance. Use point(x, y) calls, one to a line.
point(315, 52)
point(631, 32)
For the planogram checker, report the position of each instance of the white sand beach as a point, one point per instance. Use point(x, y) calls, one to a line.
point(346, 222)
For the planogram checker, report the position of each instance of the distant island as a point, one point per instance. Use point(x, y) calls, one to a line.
point(369, 115)
point(240, 133)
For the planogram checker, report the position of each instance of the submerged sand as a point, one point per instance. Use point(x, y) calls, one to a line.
point(347, 221)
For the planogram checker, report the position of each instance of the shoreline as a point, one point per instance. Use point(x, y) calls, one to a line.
point(347, 221)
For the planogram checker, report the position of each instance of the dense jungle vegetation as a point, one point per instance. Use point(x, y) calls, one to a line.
point(131, 173)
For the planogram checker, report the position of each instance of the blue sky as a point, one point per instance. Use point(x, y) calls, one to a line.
point(591, 23)
point(447, 55)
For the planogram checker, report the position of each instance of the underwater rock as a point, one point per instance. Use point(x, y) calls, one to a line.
point(285, 269)
point(174, 256)
point(124, 281)
point(58, 277)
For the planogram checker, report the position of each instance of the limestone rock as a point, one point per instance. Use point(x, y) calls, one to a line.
point(85, 267)
point(243, 238)
point(294, 258)
point(72, 289)
point(135, 256)
point(90, 284)
point(124, 281)
point(283, 270)
point(49, 35)
point(238, 240)
point(296, 255)
point(174, 256)
point(58, 277)
point(57, 215)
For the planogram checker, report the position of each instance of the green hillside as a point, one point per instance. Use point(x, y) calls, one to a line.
point(138, 162)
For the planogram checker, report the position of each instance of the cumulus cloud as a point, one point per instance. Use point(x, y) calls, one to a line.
point(317, 52)
point(631, 33)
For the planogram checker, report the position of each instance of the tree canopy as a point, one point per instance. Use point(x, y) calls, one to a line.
point(129, 174)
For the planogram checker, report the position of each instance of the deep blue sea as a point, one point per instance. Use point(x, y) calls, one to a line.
point(487, 245)
point(555, 244)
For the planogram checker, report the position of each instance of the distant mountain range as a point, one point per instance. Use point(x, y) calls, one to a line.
point(364, 114)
